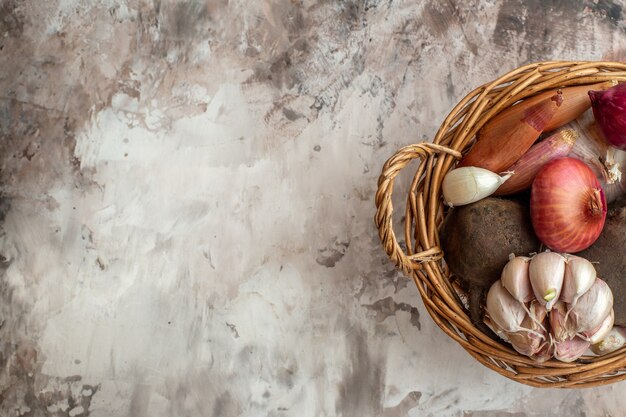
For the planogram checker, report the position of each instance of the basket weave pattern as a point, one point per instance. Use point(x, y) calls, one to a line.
point(424, 214)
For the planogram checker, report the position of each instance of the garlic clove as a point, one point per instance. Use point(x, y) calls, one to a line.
point(469, 184)
point(534, 335)
point(496, 329)
point(562, 327)
point(546, 272)
point(592, 307)
point(601, 331)
point(504, 310)
point(515, 279)
point(544, 353)
point(537, 315)
point(580, 275)
point(526, 343)
point(615, 339)
point(571, 349)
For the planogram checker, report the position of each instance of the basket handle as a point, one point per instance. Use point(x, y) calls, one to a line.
point(384, 206)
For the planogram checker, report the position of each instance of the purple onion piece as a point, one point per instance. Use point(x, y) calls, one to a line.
point(609, 110)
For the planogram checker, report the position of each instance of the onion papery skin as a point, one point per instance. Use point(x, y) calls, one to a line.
point(567, 205)
point(609, 110)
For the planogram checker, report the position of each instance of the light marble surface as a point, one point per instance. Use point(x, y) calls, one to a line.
point(188, 203)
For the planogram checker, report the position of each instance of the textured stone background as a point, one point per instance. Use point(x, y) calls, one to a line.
point(187, 203)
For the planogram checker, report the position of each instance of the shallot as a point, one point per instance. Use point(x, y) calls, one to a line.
point(526, 168)
point(505, 139)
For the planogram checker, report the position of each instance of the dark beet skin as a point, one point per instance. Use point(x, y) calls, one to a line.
point(608, 255)
point(478, 238)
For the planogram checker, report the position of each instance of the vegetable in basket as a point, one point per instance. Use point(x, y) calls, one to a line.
point(478, 238)
point(613, 341)
point(526, 168)
point(570, 308)
point(567, 205)
point(608, 258)
point(507, 136)
point(609, 109)
point(576, 101)
point(606, 162)
point(469, 184)
point(501, 143)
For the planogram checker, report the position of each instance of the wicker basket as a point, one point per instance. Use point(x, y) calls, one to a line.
point(424, 214)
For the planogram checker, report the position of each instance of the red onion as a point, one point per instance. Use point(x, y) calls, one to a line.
point(567, 205)
point(609, 109)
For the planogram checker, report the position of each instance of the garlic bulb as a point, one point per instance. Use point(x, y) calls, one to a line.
point(467, 185)
point(546, 277)
point(550, 305)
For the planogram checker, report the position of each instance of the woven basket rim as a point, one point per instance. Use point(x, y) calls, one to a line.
point(424, 212)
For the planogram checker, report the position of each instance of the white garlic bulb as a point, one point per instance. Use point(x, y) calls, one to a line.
point(552, 305)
